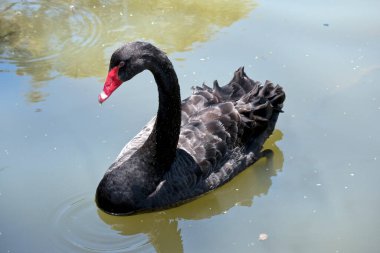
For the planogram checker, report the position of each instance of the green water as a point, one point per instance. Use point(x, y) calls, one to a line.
point(319, 194)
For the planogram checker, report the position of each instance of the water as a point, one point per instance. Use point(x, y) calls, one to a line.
point(319, 194)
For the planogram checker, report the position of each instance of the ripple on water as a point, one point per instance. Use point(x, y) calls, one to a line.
point(77, 227)
point(43, 31)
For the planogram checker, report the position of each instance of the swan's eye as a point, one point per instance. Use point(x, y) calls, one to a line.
point(121, 64)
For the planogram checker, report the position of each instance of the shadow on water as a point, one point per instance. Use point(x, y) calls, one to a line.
point(46, 39)
point(162, 227)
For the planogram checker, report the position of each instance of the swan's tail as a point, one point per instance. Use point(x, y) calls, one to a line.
point(255, 102)
point(242, 88)
point(259, 104)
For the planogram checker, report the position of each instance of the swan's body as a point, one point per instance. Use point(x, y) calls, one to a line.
point(190, 147)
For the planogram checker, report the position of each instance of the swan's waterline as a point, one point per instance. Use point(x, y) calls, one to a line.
point(78, 225)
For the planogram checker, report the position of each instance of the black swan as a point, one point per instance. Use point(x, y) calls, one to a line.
point(192, 146)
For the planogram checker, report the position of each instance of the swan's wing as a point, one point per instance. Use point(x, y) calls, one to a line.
point(210, 134)
point(218, 120)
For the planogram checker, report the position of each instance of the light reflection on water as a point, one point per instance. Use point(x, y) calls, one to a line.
point(47, 39)
point(77, 226)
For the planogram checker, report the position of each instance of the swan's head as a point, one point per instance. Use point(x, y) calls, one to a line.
point(125, 63)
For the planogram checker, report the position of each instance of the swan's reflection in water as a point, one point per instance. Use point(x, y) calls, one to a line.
point(162, 227)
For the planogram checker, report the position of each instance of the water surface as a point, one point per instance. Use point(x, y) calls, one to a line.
point(318, 194)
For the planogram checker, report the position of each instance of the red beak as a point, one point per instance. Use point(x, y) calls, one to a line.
point(112, 83)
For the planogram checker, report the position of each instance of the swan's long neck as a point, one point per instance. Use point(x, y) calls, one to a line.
point(163, 139)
